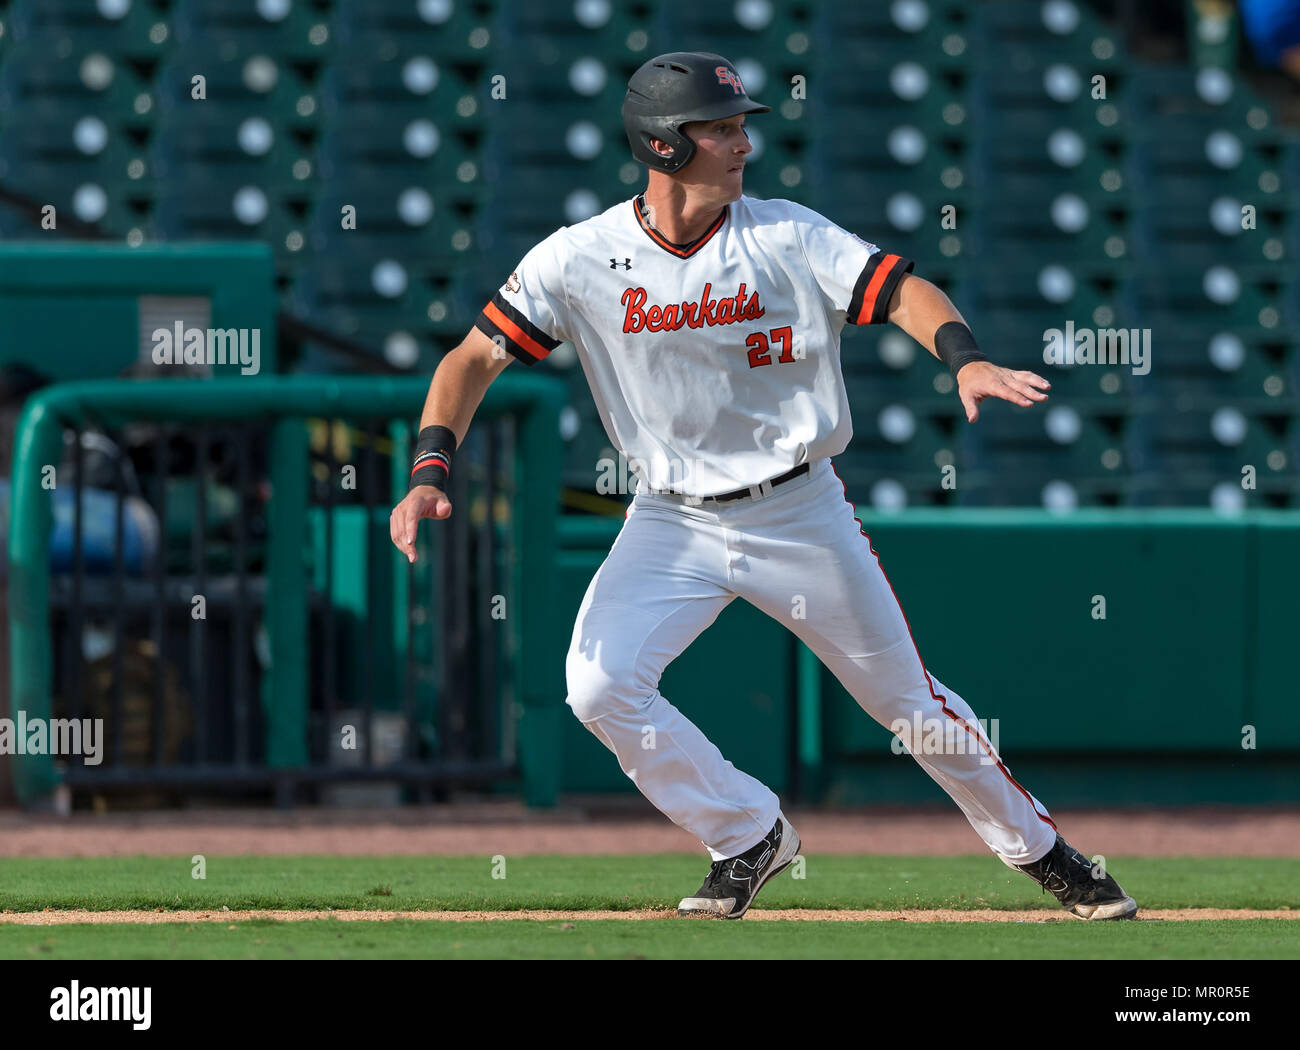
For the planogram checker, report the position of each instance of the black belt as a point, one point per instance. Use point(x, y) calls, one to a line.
point(727, 497)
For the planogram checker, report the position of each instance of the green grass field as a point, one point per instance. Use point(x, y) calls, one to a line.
point(654, 939)
point(626, 883)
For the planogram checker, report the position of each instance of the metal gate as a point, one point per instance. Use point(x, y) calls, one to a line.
point(220, 593)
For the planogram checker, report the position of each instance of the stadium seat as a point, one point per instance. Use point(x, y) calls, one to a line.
point(1013, 456)
point(1060, 92)
point(1197, 228)
point(248, 84)
point(414, 82)
point(1028, 217)
point(1214, 97)
point(124, 29)
point(374, 141)
point(55, 136)
point(558, 73)
point(370, 299)
point(622, 31)
point(905, 90)
point(1034, 24)
point(1208, 297)
point(223, 146)
point(112, 205)
point(870, 35)
point(1047, 147)
point(1198, 368)
point(289, 29)
point(764, 31)
point(1207, 158)
point(457, 28)
point(899, 156)
point(200, 209)
point(393, 217)
point(1217, 440)
point(45, 73)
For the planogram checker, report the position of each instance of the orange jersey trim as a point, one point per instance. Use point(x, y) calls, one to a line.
point(521, 338)
point(689, 250)
point(883, 270)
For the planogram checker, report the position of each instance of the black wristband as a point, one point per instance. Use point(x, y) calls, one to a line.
point(432, 465)
point(955, 345)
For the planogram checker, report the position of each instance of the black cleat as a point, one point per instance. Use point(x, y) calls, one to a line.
point(733, 883)
point(1084, 891)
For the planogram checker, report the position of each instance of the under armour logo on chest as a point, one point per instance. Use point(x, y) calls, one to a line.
point(614, 264)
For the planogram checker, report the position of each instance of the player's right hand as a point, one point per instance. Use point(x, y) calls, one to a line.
point(423, 501)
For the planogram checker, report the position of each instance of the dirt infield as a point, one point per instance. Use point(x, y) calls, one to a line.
point(509, 827)
point(62, 918)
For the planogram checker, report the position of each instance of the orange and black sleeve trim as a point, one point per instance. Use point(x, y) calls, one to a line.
point(527, 342)
point(875, 286)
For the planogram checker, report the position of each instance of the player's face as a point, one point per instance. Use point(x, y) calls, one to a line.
point(721, 148)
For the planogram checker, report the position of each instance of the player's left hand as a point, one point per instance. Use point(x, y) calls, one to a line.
point(981, 379)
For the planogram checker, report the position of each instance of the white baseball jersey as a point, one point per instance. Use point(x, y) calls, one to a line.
point(716, 364)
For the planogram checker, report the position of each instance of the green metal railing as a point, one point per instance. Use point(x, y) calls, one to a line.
point(284, 403)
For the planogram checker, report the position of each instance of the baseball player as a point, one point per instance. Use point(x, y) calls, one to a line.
point(708, 327)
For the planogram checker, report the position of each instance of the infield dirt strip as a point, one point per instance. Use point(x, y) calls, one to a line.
point(63, 918)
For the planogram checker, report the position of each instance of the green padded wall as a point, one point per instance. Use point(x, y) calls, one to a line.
point(71, 309)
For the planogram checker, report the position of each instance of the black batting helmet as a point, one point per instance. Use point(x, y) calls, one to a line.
point(674, 89)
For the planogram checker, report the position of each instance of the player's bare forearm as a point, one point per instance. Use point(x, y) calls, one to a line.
point(921, 310)
point(455, 392)
point(460, 381)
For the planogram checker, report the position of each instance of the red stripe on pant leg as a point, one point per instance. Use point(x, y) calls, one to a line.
point(928, 683)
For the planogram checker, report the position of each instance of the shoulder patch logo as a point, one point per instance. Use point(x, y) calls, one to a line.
point(614, 264)
point(512, 283)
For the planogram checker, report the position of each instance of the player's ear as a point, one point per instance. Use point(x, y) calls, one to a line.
point(661, 147)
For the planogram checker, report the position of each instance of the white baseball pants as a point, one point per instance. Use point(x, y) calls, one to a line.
point(675, 567)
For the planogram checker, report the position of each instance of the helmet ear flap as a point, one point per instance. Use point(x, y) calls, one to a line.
point(683, 149)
